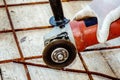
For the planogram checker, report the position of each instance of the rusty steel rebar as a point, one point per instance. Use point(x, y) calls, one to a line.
point(25, 58)
point(102, 48)
point(25, 4)
point(26, 29)
point(85, 66)
point(31, 3)
point(16, 39)
point(68, 70)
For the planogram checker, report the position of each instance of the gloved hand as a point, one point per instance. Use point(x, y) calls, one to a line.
point(105, 11)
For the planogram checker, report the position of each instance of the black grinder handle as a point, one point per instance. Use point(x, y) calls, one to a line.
point(58, 19)
point(57, 9)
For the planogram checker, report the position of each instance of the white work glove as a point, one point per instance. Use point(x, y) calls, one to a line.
point(105, 11)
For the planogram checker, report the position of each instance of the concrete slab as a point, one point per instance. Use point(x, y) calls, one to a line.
point(4, 23)
point(8, 49)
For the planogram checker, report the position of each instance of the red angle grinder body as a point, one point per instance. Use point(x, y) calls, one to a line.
point(85, 36)
point(61, 50)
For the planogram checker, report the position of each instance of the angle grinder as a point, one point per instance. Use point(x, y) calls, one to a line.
point(69, 37)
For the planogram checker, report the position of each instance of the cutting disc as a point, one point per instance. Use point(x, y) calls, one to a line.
point(59, 53)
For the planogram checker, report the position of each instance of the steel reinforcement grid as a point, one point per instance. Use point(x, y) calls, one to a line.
point(22, 59)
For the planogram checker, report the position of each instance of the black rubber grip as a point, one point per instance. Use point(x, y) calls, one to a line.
point(57, 9)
